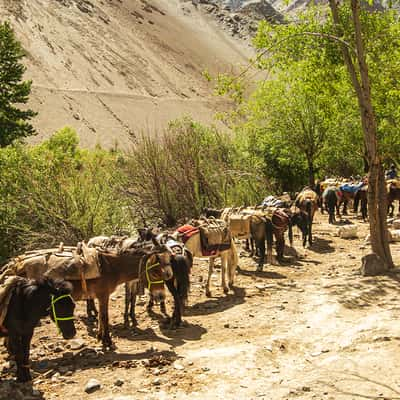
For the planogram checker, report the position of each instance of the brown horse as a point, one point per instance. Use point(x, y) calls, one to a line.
point(181, 263)
point(307, 201)
point(265, 228)
point(117, 268)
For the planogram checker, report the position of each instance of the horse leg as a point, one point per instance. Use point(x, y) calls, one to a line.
point(130, 302)
point(210, 271)
point(290, 234)
point(269, 236)
point(91, 310)
point(19, 347)
point(310, 238)
point(150, 305)
point(280, 245)
point(25, 367)
point(224, 265)
point(247, 245)
point(176, 319)
point(103, 331)
point(232, 264)
point(260, 245)
point(163, 308)
point(345, 201)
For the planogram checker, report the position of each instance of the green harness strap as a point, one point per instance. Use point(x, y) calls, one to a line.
point(56, 319)
point(149, 281)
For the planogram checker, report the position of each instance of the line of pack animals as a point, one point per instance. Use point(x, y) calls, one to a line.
point(48, 282)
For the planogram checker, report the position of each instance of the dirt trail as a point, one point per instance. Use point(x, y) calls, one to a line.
point(310, 329)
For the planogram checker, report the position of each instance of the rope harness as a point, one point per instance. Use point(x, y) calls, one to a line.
point(53, 309)
point(149, 281)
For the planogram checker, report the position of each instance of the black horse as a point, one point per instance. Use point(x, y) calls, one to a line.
point(331, 201)
point(179, 286)
point(30, 301)
point(264, 229)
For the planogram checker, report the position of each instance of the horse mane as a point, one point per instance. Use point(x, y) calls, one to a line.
point(55, 286)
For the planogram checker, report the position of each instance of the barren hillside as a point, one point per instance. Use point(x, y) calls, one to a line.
point(111, 68)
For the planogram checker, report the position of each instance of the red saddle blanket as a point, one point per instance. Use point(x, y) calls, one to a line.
point(187, 231)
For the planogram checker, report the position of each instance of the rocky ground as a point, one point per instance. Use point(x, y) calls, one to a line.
point(240, 19)
point(312, 328)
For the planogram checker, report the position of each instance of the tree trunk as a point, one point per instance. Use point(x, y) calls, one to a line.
point(377, 204)
point(311, 174)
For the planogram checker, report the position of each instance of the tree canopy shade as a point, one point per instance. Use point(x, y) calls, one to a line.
point(14, 122)
point(331, 96)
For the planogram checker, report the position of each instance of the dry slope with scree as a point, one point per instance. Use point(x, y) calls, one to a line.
point(112, 68)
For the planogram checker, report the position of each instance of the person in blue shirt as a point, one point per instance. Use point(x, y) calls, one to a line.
point(391, 173)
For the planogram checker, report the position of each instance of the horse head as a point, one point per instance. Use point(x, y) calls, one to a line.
point(61, 305)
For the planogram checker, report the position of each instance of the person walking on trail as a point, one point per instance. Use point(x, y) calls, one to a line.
point(391, 173)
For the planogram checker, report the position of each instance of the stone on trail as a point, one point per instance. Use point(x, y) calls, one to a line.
point(372, 265)
point(92, 385)
point(394, 235)
point(76, 344)
point(348, 231)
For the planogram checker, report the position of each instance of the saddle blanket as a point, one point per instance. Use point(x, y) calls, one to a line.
point(351, 188)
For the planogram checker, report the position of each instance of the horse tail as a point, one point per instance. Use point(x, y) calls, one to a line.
point(181, 266)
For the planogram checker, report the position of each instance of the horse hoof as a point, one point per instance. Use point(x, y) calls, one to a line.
point(259, 268)
point(226, 290)
point(208, 293)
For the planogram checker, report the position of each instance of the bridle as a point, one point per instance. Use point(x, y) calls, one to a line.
point(147, 269)
point(53, 310)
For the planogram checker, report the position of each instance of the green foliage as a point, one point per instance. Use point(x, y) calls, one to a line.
point(304, 119)
point(13, 121)
point(58, 192)
point(189, 167)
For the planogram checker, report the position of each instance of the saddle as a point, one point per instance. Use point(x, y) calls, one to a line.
point(6, 290)
point(214, 235)
point(78, 263)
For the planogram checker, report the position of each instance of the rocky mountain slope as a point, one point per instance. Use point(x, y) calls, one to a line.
point(113, 68)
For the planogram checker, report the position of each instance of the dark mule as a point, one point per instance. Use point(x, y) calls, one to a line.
point(265, 229)
point(179, 286)
point(361, 198)
point(307, 201)
point(393, 194)
point(30, 301)
point(331, 200)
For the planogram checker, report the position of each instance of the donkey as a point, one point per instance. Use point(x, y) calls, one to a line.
point(229, 259)
point(264, 229)
point(307, 201)
point(30, 301)
point(331, 200)
point(178, 287)
point(117, 268)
